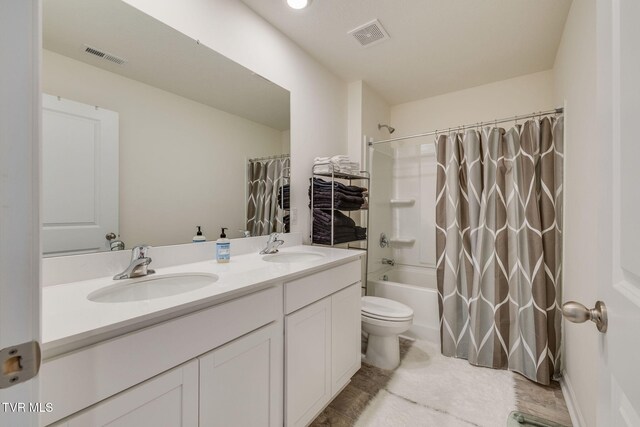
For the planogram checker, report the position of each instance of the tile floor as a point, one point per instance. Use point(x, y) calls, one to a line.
point(457, 394)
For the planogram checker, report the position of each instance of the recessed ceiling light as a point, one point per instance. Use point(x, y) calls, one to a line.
point(298, 4)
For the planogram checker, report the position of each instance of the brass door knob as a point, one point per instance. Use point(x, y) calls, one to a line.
point(578, 313)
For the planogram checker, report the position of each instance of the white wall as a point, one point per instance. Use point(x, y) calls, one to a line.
point(575, 82)
point(414, 167)
point(366, 109)
point(520, 95)
point(182, 163)
point(318, 97)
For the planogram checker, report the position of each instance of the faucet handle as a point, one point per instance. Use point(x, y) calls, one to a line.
point(140, 251)
point(273, 237)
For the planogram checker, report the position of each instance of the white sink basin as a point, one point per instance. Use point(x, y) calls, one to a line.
point(152, 287)
point(291, 257)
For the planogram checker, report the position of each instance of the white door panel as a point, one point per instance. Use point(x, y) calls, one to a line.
point(619, 103)
point(20, 45)
point(80, 176)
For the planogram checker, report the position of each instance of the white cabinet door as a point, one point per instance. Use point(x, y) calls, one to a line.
point(170, 399)
point(79, 176)
point(345, 336)
point(241, 382)
point(308, 362)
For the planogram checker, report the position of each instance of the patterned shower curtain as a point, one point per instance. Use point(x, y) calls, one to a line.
point(499, 246)
point(265, 178)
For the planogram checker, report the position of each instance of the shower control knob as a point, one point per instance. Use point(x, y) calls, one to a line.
point(578, 313)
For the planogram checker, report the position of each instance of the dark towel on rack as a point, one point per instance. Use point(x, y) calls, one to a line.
point(340, 201)
point(325, 239)
point(345, 197)
point(322, 229)
point(324, 216)
point(351, 190)
point(338, 197)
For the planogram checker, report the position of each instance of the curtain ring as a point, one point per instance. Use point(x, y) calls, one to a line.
point(516, 119)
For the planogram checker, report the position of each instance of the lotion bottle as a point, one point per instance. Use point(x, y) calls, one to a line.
point(199, 237)
point(223, 248)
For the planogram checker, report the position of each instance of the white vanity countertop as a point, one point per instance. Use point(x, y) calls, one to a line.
point(71, 321)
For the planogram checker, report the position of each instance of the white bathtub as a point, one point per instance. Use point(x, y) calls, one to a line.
point(415, 287)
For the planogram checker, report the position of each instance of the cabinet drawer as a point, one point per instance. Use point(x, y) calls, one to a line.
point(304, 291)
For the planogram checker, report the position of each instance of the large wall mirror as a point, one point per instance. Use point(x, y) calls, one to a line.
point(148, 133)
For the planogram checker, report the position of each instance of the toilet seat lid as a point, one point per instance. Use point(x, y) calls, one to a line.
point(384, 308)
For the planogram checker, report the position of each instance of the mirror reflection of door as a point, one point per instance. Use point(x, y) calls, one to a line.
point(79, 176)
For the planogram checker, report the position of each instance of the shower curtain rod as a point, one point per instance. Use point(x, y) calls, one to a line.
point(278, 156)
point(558, 110)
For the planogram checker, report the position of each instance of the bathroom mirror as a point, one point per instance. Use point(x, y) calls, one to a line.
point(147, 133)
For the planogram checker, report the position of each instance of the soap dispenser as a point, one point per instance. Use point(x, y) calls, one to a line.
point(199, 237)
point(223, 247)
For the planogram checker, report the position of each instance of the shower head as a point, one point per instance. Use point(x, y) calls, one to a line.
point(389, 128)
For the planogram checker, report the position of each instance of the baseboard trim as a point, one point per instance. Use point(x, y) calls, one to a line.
point(572, 404)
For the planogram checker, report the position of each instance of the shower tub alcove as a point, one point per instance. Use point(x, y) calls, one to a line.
point(415, 287)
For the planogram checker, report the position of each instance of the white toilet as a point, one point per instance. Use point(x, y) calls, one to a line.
point(384, 319)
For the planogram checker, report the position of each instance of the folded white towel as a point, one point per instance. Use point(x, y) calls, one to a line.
point(340, 163)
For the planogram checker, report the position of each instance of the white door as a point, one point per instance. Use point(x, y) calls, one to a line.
point(19, 197)
point(79, 176)
point(619, 103)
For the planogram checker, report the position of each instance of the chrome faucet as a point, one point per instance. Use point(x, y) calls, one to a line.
point(272, 244)
point(139, 264)
point(388, 261)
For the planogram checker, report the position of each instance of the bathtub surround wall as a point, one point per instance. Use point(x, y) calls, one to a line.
point(414, 177)
point(205, 185)
point(318, 97)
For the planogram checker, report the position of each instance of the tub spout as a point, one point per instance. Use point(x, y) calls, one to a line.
point(388, 261)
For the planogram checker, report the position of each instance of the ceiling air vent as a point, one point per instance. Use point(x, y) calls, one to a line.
point(103, 55)
point(370, 33)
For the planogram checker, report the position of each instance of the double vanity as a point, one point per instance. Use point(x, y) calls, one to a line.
point(265, 340)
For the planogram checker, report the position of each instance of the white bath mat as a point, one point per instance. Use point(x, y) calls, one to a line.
point(429, 389)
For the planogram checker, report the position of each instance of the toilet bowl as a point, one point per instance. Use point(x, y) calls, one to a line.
point(384, 319)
